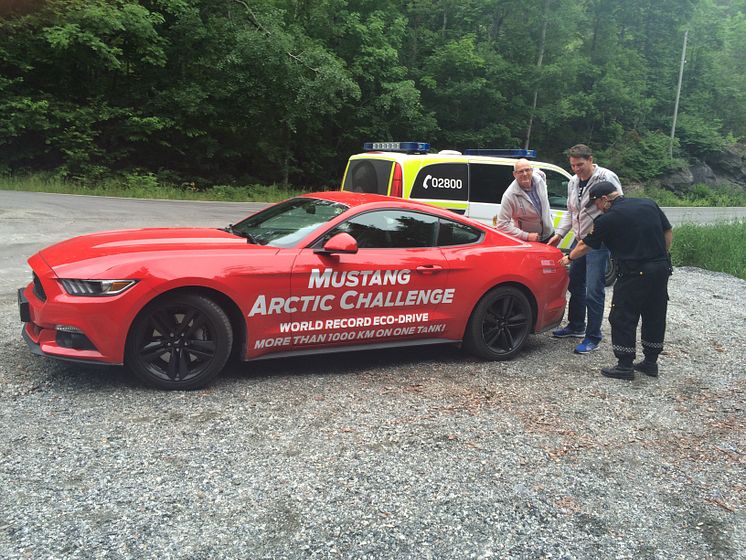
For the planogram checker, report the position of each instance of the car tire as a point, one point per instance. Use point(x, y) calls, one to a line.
point(499, 325)
point(611, 272)
point(179, 342)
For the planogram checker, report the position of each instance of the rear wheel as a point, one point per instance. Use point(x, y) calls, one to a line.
point(179, 342)
point(499, 325)
point(611, 272)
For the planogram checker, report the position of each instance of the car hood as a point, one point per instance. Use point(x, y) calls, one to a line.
point(132, 241)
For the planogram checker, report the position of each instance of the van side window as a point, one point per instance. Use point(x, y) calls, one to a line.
point(489, 181)
point(442, 181)
point(368, 176)
point(556, 189)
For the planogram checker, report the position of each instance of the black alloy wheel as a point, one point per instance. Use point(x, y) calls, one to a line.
point(499, 325)
point(611, 272)
point(179, 342)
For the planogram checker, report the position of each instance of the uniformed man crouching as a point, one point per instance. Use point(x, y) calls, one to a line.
point(639, 236)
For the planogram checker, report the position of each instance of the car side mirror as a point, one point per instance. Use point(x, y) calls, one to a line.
point(339, 243)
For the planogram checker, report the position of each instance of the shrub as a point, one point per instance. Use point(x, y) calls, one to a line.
point(639, 157)
point(719, 247)
point(698, 195)
point(698, 135)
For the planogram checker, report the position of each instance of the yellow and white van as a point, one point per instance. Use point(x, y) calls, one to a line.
point(471, 183)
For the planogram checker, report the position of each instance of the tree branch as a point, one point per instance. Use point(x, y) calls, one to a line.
point(255, 21)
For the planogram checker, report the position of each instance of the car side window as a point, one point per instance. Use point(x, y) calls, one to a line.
point(455, 233)
point(488, 181)
point(388, 229)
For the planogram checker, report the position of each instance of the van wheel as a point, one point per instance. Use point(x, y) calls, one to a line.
point(499, 325)
point(611, 272)
point(179, 342)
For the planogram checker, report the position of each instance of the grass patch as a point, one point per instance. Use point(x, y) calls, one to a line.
point(697, 195)
point(719, 247)
point(146, 186)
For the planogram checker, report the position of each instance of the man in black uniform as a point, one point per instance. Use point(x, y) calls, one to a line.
point(639, 236)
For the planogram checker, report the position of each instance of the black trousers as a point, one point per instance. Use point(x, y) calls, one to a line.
point(641, 291)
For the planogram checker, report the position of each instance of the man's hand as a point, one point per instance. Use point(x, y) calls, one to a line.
point(533, 236)
point(565, 261)
point(554, 241)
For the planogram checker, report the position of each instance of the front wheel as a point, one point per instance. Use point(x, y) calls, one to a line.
point(499, 325)
point(179, 342)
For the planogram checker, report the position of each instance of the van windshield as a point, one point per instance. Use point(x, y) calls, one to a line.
point(368, 176)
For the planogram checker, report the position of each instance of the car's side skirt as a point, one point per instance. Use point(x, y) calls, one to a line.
point(354, 348)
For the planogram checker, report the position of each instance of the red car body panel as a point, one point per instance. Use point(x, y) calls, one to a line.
point(291, 298)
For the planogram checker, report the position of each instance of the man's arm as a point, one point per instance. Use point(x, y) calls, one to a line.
point(612, 178)
point(668, 236)
point(578, 251)
point(504, 220)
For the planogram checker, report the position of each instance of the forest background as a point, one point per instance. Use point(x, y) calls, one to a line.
point(227, 92)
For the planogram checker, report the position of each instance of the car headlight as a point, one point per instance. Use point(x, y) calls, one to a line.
point(75, 287)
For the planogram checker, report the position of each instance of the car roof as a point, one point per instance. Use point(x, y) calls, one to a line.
point(348, 198)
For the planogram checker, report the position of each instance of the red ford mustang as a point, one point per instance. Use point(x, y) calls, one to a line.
point(322, 272)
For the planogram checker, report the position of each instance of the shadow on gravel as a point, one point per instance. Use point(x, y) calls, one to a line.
point(37, 371)
point(346, 363)
point(82, 377)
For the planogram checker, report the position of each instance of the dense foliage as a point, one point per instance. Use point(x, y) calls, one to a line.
point(282, 91)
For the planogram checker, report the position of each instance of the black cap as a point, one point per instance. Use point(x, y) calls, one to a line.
point(598, 190)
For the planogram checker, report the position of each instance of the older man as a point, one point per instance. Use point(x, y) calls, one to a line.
point(524, 208)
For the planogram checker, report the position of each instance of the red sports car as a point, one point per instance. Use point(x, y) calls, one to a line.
point(321, 272)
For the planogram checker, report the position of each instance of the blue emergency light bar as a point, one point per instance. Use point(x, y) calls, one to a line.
point(406, 147)
point(512, 153)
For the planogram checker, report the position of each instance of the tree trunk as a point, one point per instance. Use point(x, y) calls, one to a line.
point(286, 158)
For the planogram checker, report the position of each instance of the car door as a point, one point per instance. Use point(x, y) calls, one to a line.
point(392, 289)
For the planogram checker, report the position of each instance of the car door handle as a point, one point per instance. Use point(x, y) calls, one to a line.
point(429, 268)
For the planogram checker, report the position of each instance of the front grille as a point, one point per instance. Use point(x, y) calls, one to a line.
point(39, 289)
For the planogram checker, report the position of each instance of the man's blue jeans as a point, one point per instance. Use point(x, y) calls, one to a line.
point(587, 291)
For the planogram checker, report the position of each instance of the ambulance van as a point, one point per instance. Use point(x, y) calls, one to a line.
point(470, 183)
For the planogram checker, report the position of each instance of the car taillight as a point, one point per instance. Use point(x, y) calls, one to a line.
point(396, 182)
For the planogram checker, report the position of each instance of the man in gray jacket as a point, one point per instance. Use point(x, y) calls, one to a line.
point(524, 208)
point(587, 273)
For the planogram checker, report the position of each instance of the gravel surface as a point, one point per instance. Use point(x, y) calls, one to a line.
point(416, 453)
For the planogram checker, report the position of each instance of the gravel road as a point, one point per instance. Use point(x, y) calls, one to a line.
point(413, 453)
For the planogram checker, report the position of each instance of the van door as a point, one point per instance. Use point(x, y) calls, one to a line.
point(557, 192)
point(369, 175)
point(445, 185)
point(487, 183)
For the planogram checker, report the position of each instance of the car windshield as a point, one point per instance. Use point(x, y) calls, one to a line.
point(286, 223)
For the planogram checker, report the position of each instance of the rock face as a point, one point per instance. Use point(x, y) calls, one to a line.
point(726, 168)
point(731, 163)
point(678, 181)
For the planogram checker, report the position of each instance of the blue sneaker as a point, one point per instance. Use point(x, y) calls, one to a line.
point(586, 346)
point(567, 332)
